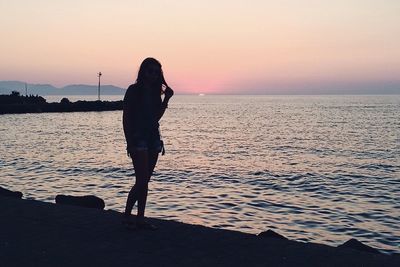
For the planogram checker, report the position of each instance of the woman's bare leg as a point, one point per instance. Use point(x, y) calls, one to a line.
point(151, 163)
point(130, 202)
point(141, 166)
point(153, 157)
point(144, 163)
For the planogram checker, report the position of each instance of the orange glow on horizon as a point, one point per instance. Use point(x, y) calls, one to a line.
point(204, 48)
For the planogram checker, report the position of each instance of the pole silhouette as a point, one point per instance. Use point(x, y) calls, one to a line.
point(98, 89)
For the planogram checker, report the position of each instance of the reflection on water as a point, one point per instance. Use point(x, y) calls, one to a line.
point(315, 168)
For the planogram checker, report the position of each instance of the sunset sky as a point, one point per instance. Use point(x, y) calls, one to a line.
point(253, 46)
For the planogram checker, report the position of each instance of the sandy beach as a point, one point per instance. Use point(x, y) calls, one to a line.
point(34, 233)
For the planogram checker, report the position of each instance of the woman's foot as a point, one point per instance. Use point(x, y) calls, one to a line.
point(127, 220)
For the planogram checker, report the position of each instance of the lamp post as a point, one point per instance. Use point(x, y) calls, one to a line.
point(98, 89)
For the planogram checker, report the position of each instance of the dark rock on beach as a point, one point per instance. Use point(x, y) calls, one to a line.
point(15, 103)
point(81, 201)
point(9, 193)
point(271, 234)
point(357, 245)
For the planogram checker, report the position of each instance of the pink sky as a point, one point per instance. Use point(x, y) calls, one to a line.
point(204, 46)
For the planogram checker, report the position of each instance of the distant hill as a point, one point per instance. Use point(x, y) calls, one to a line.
point(6, 87)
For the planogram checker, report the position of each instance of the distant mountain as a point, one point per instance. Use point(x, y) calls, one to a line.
point(82, 89)
point(6, 87)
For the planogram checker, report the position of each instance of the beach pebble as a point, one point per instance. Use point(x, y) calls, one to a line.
point(355, 244)
point(8, 193)
point(271, 234)
point(82, 201)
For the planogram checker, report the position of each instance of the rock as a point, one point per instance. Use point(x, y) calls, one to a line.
point(271, 234)
point(355, 244)
point(82, 201)
point(8, 193)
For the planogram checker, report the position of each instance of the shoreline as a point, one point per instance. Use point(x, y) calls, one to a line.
point(46, 234)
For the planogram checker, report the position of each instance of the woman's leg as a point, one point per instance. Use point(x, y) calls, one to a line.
point(153, 157)
point(130, 202)
point(142, 161)
point(141, 166)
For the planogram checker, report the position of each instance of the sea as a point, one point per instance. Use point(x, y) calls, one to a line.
point(313, 168)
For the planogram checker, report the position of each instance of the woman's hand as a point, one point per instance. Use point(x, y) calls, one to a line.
point(168, 92)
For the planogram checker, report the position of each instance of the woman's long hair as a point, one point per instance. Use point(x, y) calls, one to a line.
point(142, 72)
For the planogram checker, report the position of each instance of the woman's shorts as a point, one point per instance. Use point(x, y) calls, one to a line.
point(151, 142)
point(147, 145)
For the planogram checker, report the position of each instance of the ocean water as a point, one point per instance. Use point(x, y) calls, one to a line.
point(313, 168)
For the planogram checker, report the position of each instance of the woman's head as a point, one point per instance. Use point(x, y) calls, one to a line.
point(150, 73)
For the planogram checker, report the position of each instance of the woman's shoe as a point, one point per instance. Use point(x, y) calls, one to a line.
point(128, 222)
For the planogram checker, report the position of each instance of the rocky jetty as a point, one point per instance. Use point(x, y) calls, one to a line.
point(15, 103)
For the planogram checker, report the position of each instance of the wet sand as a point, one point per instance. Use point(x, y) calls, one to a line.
point(34, 233)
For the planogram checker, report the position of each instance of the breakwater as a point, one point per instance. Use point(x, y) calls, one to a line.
point(15, 103)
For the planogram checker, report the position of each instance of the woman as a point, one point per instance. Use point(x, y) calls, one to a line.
point(143, 108)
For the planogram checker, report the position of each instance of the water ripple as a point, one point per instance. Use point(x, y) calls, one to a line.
point(317, 168)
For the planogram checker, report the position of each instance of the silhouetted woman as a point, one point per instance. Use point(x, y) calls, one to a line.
point(143, 108)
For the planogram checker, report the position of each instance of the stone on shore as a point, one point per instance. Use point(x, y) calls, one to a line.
point(357, 245)
point(81, 201)
point(9, 193)
point(271, 234)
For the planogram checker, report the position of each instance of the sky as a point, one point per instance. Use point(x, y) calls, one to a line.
point(220, 46)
